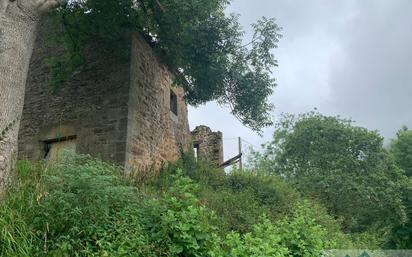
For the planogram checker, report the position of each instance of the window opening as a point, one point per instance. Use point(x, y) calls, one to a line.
point(196, 150)
point(173, 102)
point(55, 149)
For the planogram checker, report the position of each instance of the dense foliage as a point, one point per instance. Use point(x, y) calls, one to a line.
point(342, 165)
point(401, 150)
point(84, 207)
point(322, 183)
point(196, 39)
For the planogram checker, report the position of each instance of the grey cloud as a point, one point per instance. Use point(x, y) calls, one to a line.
point(346, 57)
point(372, 79)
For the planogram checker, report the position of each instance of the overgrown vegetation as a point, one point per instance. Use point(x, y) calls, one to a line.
point(322, 183)
point(84, 207)
point(401, 150)
point(348, 170)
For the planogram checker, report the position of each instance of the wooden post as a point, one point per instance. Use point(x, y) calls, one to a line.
point(240, 153)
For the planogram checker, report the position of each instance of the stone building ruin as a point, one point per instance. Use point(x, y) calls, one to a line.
point(125, 112)
point(208, 145)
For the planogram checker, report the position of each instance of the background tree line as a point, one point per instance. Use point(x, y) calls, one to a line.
point(347, 168)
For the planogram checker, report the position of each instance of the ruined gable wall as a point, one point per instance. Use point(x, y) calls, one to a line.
point(154, 133)
point(209, 143)
point(92, 105)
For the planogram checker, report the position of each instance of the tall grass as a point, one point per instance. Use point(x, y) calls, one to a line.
point(16, 239)
point(85, 207)
point(16, 236)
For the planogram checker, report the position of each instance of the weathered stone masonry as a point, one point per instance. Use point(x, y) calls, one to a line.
point(90, 108)
point(123, 111)
point(208, 144)
point(155, 134)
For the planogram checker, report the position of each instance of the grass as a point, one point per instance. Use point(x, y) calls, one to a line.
point(85, 207)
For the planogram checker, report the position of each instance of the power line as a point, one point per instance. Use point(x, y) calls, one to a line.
point(253, 146)
point(237, 138)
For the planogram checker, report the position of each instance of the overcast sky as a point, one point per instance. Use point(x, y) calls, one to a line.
point(346, 57)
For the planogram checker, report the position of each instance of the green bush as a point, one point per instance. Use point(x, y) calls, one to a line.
point(238, 198)
point(301, 233)
point(269, 190)
point(401, 236)
point(203, 173)
point(176, 222)
point(237, 212)
point(298, 234)
point(83, 200)
point(85, 207)
point(264, 240)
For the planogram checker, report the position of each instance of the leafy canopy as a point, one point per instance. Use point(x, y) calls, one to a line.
point(401, 149)
point(196, 39)
point(344, 166)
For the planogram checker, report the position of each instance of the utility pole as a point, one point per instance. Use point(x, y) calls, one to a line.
point(240, 153)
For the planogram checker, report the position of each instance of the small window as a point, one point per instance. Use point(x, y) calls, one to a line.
point(55, 149)
point(196, 151)
point(173, 102)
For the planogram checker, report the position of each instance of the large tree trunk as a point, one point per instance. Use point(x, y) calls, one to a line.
point(18, 22)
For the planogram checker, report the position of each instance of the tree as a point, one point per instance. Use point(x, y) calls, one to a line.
point(401, 236)
point(343, 165)
point(401, 149)
point(195, 38)
point(18, 22)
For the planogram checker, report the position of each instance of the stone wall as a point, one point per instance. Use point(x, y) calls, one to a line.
point(91, 106)
point(209, 144)
point(154, 133)
point(116, 109)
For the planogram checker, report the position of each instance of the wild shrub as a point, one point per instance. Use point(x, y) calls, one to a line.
point(262, 241)
point(238, 198)
point(237, 211)
point(82, 203)
point(85, 207)
point(302, 235)
point(178, 224)
point(269, 190)
point(297, 234)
